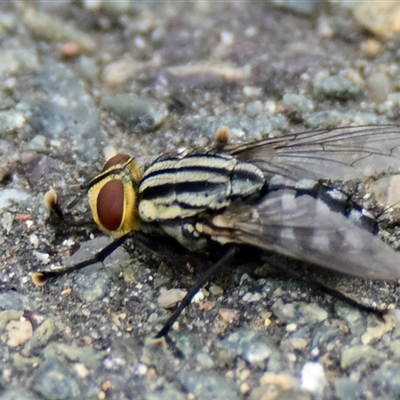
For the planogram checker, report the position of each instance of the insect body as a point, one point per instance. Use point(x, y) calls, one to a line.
point(170, 194)
point(273, 194)
point(268, 194)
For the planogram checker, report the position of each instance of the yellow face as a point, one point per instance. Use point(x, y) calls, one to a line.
point(113, 196)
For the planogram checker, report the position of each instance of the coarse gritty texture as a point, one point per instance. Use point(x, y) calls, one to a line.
point(152, 78)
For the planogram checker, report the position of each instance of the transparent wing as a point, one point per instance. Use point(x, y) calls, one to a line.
point(305, 228)
point(339, 153)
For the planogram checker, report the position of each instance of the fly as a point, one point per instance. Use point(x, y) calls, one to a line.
point(274, 195)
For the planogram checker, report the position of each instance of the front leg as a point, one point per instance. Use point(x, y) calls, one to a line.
point(164, 246)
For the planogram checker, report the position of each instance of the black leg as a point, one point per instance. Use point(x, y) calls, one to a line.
point(40, 277)
point(161, 246)
point(166, 248)
point(321, 287)
point(194, 289)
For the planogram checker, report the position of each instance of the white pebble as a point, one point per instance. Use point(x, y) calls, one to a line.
point(313, 379)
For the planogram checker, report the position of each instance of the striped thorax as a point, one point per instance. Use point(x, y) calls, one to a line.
point(184, 187)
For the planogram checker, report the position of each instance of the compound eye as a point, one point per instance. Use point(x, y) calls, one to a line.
point(115, 160)
point(110, 204)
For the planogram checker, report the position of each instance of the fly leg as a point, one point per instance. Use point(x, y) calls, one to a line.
point(346, 299)
point(194, 289)
point(166, 248)
point(39, 278)
point(317, 285)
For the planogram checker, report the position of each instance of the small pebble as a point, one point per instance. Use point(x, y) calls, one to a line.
point(313, 379)
point(138, 113)
point(352, 355)
point(55, 381)
point(378, 86)
point(18, 332)
point(168, 298)
point(382, 18)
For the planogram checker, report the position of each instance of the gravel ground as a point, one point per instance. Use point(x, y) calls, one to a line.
point(154, 77)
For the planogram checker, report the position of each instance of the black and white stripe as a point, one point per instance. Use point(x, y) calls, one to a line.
point(183, 187)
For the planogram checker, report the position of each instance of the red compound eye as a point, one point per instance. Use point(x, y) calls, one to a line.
point(117, 159)
point(110, 204)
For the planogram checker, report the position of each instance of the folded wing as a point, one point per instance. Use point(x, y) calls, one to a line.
point(303, 227)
